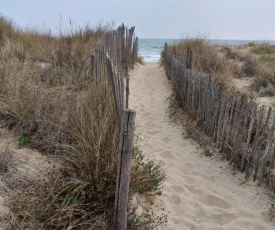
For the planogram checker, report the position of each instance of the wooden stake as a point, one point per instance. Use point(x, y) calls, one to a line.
point(123, 169)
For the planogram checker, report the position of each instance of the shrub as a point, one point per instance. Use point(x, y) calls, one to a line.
point(264, 48)
point(229, 53)
point(251, 44)
point(267, 57)
point(250, 66)
point(205, 59)
point(24, 141)
point(146, 175)
point(263, 86)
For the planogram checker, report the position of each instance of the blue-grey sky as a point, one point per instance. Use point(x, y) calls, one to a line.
point(220, 19)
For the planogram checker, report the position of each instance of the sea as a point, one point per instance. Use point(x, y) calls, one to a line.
point(150, 49)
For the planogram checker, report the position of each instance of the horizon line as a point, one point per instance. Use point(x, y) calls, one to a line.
point(223, 39)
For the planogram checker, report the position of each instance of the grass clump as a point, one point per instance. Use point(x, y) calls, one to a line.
point(229, 53)
point(251, 44)
point(7, 27)
point(206, 59)
point(264, 87)
point(255, 61)
point(140, 60)
point(264, 48)
point(267, 57)
point(48, 97)
point(25, 141)
point(250, 66)
point(266, 52)
point(146, 175)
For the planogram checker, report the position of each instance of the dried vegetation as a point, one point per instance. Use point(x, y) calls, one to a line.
point(225, 63)
point(49, 99)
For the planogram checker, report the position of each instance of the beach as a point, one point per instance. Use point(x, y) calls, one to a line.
point(200, 192)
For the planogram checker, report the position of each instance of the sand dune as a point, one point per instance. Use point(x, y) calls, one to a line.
point(199, 192)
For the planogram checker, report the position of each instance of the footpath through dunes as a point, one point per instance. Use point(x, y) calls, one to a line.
point(199, 192)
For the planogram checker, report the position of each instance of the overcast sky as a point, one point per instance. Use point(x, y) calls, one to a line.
point(220, 19)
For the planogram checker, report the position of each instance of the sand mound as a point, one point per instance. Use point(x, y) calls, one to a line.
point(20, 167)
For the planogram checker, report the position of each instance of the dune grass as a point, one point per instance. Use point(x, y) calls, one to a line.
point(49, 99)
point(225, 62)
point(206, 59)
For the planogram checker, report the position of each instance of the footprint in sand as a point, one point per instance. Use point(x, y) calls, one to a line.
point(167, 155)
point(223, 218)
point(213, 200)
point(190, 180)
point(166, 140)
point(151, 132)
point(176, 200)
point(193, 189)
point(140, 106)
point(187, 168)
point(177, 189)
point(200, 214)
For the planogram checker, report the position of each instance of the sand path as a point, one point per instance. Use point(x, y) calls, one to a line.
point(199, 192)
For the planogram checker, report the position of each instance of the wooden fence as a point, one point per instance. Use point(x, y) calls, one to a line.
point(113, 57)
point(239, 127)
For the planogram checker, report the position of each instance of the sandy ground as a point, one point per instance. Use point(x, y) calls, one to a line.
point(199, 192)
point(25, 166)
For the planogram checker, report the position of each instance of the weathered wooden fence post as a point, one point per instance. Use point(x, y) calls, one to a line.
point(135, 51)
point(189, 59)
point(123, 170)
point(175, 51)
point(165, 49)
point(127, 92)
point(92, 64)
point(165, 52)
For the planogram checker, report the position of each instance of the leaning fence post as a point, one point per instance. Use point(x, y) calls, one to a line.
point(123, 170)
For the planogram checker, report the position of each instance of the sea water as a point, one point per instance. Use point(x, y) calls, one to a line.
point(150, 49)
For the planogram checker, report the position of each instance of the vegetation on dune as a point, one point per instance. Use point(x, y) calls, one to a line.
point(205, 59)
point(225, 62)
point(49, 99)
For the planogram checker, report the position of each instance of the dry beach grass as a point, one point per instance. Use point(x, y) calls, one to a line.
point(249, 68)
point(64, 133)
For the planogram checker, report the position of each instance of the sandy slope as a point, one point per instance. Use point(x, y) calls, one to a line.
point(26, 167)
point(199, 193)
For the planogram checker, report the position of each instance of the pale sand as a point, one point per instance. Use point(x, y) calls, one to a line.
point(26, 165)
point(199, 192)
